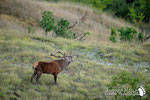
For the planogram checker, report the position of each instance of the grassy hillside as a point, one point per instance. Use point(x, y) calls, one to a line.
point(96, 62)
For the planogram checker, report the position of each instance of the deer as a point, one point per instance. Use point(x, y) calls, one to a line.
point(54, 67)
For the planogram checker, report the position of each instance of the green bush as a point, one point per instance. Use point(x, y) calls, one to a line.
point(127, 34)
point(141, 37)
point(113, 35)
point(47, 22)
point(61, 29)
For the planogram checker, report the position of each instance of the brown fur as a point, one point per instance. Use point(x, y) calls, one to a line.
point(53, 67)
point(35, 65)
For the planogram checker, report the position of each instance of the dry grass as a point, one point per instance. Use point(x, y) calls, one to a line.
point(23, 9)
point(98, 24)
point(83, 79)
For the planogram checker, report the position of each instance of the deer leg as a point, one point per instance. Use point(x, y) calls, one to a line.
point(55, 79)
point(33, 75)
point(38, 76)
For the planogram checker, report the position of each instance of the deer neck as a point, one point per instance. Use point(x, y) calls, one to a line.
point(65, 64)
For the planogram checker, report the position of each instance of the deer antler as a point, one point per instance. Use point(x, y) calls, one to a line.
point(56, 56)
point(60, 52)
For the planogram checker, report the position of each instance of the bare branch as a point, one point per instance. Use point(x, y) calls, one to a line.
point(82, 37)
point(72, 25)
point(146, 38)
point(77, 36)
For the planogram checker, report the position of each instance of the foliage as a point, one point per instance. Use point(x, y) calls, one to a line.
point(87, 33)
point(135, 10)
point(96, 4)
point(120, 8)
point(127, 34)
point(140, 37)
point(47, 21)
point(145, 9)
point(61, 28)
point(132, 14)
point(113, 35)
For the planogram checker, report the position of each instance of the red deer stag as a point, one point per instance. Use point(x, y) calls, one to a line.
point(53, 67)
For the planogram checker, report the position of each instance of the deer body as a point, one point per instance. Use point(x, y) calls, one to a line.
point(53, 67)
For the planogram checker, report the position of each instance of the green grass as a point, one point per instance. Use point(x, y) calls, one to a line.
point(83, 79)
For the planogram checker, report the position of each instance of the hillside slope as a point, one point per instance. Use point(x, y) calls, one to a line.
point(29, 12)
point(96, 59)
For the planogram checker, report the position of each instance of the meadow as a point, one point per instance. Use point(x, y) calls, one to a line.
point(97, 60)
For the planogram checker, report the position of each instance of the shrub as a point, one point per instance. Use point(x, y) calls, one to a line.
point(141, 37)
point(113, 35)
point(47, 21)
point(61, 28)
point(127, 34)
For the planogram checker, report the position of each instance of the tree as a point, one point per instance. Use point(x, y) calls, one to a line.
point(47, 21)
